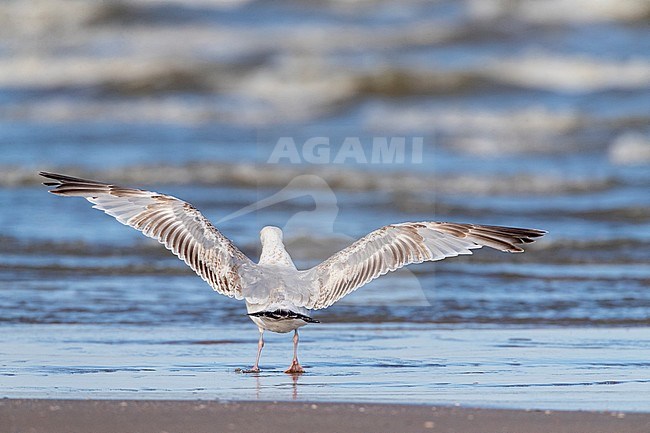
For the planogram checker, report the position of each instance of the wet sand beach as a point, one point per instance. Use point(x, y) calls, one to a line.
point(99, 416)
point(601, 369)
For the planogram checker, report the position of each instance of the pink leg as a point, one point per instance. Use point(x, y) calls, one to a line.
point(260, 345)
point(295, 367)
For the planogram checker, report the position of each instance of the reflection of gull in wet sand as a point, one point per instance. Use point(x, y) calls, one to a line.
point(278, 296)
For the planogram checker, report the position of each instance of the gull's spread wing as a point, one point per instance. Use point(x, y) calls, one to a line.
point(174, 223)
point(397, 245)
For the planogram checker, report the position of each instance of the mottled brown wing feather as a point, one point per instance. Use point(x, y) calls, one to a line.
point(397, 245)
point(174, 223)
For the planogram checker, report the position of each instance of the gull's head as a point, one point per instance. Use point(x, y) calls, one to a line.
point(271, 235)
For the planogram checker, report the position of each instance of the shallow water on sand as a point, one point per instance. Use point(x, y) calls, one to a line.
point(577, 368)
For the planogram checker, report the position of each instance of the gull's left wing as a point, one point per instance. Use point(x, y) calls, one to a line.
point(176, 224)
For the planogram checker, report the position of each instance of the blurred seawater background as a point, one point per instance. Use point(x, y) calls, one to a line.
point(533, 114)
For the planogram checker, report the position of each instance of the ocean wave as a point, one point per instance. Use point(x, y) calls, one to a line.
point(570, 74)
point(335, 177)
point(151, 12)
point(14, 246)
point(631, 148)
point(113, 76)
point(628, 214)
point(46, 270)
point(290, 87)
point(447, 312)
point(38, 16)
point(593, 251)
point(145, 254)
point(561, 11)
point(457, 313)
point(74, 60)
point(534, 130)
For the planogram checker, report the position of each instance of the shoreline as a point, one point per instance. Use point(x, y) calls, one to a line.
point(110, 416)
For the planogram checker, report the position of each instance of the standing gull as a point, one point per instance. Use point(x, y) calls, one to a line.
point(278, 296)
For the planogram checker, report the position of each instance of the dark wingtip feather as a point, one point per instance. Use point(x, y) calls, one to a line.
point(62, 178)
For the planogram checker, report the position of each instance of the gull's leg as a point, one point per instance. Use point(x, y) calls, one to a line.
point(260, 345)
point(295, 365)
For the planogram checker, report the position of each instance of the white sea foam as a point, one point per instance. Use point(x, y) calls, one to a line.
point(78, 60)
point(573, 74)
point(429, 119)
point(122, 68)
point(561, 11)
point(484, 132)
point(336, 177)
point(631, 148)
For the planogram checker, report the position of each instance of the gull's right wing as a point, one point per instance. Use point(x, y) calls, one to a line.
point(394, 246)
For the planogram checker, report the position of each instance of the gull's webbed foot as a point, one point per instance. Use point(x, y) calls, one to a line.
point(295, 368)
